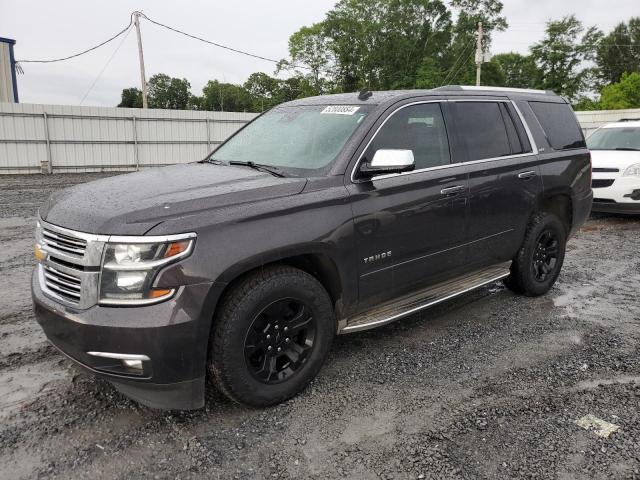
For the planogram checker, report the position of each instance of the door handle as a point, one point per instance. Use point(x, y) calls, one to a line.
point(526, 175)
point(452, 190)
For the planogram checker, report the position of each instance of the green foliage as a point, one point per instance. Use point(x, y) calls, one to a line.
point(519, 71)
point(131, 98)
point(397, 44)
point(586, 103)
point(168, 92)
point(561, 56)
point(225, 97)
point(309, 47)
point(619, 52)
point(624, 94)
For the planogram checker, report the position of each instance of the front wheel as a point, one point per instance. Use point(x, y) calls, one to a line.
point(537, 264)
point(271, 336)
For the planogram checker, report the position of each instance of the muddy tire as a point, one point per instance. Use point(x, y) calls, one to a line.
point(537, 264)
point(271, 335)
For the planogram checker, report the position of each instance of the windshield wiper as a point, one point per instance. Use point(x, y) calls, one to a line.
point(260, 167)
point(628, 149)
point(211, 160)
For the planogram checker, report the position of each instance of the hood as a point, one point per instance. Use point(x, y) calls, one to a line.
point(614, 159)
point(132, 204)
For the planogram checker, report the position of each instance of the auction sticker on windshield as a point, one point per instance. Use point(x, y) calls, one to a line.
point(341, 109)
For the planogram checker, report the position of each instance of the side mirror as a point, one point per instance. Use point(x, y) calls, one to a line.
point(388, 161)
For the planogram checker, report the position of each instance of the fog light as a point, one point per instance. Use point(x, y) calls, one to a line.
point(135, 364)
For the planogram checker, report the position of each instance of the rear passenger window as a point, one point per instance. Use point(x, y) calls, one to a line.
point(482, 127)
point(419, 128)
point(512, 134)
point(559, 124)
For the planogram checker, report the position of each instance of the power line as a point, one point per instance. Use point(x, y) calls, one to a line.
point(106, 65)
point(455, 64)
point(84, 51)
point(215, 44)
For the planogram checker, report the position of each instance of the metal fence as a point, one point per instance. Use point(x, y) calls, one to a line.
point(56, 138)
point(592, 120)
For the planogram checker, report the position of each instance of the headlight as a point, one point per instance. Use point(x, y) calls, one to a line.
point(632, 171)
point(129, 269)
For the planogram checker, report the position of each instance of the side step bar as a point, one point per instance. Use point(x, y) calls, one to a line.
point(414, 302)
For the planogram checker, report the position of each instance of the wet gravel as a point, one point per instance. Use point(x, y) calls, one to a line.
point(488, 385)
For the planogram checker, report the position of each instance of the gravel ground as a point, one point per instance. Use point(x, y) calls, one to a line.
point(488, 385)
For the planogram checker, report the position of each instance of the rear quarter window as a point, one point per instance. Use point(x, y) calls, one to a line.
point(559, 124)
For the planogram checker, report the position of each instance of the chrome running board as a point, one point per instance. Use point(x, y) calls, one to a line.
point(427, 297)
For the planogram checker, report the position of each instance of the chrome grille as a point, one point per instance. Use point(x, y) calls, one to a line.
point(70, 269)
point(64, 243)
point(62, 284)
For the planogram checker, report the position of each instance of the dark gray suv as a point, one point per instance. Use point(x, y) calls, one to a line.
point(323, 216)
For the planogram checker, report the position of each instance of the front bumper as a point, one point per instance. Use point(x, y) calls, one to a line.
point(173, 335)
point(623, 196)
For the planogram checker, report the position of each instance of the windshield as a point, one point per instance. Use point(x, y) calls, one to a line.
point(302, 137)
point(627, 138)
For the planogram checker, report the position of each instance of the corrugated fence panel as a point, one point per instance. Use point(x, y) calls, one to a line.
point(592, 120)
point(89, 139)
point(86, 139)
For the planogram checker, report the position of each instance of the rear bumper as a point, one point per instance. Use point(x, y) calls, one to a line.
point(172, 335)
point(581, 210)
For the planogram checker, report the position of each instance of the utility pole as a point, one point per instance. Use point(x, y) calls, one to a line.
point(143, 78)
point(479, 54)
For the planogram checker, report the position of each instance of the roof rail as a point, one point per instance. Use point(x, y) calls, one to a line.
point(629, 120)
point(494, 89)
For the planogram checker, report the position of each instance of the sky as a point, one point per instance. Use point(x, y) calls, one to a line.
point(46, 29)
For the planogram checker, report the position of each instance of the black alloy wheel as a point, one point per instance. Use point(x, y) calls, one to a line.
point(545, 256)
point(279, 340)
point(271, 334)
point(537, 265)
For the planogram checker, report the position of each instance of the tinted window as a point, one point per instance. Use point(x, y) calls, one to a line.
point(559, 124)
point(522, 132)
point(514, 140)
point(419, 128)
point(481, 126)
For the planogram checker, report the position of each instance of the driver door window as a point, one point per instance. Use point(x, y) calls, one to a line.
point(419, 128)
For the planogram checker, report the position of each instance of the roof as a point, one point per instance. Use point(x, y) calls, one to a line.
point(384, 96)
point(624, 123)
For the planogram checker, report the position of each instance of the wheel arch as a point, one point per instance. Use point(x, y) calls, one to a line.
point(317, 260)
point(560, 205)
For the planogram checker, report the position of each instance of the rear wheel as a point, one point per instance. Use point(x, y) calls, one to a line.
point(271, 336)
point(537, 264)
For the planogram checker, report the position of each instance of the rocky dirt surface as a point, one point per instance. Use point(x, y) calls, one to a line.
point(488, 385)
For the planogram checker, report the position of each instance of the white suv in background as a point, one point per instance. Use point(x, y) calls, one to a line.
point(615, 156)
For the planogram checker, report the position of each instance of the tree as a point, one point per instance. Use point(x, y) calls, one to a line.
point(309, 47)
point(561, 56)
point(519, 71)
point(225, 97)
point(430, 74)
point(167, 92)
point(131, 98)
point(624, 94)
point(375, 44)
point(619, 52)
point(263, 90)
